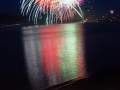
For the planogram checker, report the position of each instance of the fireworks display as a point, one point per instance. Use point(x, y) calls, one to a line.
point(54, 9)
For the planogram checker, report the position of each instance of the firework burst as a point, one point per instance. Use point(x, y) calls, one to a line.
point(54, 9)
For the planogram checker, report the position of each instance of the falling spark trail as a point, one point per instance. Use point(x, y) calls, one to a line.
point(54, 9)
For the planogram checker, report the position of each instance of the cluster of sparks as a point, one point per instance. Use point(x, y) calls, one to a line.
point(54, 9)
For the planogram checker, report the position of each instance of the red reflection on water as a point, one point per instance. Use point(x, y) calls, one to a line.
point(81, 58)
point(50, 57)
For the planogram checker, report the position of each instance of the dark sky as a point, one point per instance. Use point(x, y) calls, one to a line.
point(10, 7)
point(100, 7)
point(103, 6)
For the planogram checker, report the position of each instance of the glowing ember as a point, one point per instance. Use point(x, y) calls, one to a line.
point(111, 11)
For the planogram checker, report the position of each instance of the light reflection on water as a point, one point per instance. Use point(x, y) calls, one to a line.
point(54, 54)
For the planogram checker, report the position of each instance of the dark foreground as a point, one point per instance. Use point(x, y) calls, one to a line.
point(63, 57)
point(109, 80)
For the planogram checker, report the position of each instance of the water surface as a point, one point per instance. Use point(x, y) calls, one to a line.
point(38, 57)
point(54, 54)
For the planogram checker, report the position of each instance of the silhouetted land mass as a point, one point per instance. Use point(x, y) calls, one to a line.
point(10, 19)
point(18, 19)
point(6, 20)
point(104, 18)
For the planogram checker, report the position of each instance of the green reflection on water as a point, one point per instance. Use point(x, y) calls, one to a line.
point(69, 53)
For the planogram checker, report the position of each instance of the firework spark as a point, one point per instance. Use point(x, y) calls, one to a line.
point(54, 9)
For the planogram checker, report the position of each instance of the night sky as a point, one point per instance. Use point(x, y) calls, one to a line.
point(100, 7)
